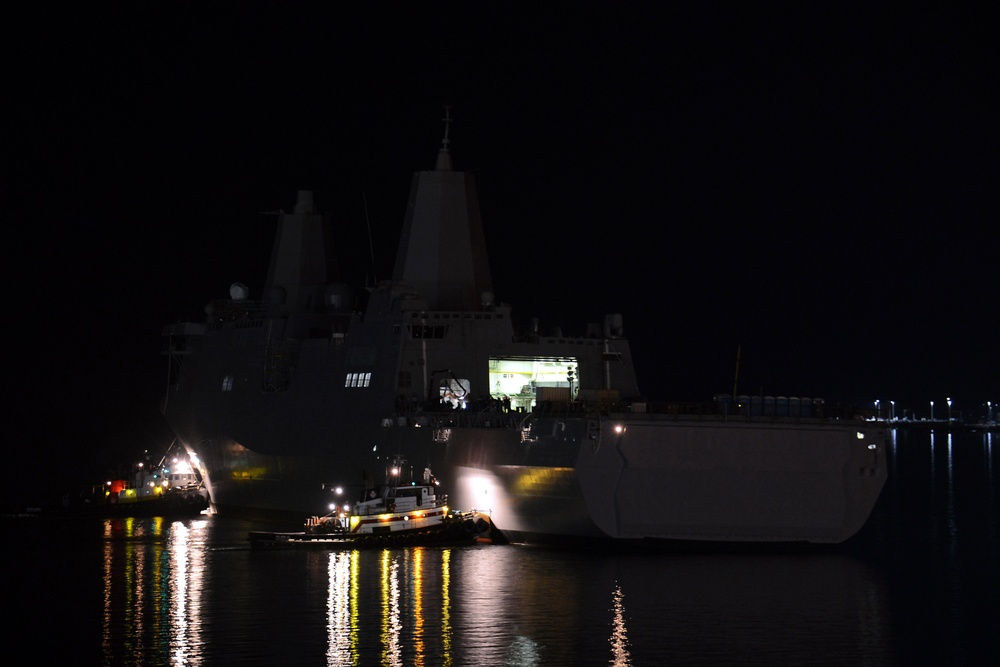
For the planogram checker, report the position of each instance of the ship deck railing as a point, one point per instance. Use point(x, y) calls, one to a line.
point(665, 411)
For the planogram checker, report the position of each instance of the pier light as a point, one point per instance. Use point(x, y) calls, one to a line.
point(932, 410)
point(877, 413)
point(949, 408)
point(892, 410)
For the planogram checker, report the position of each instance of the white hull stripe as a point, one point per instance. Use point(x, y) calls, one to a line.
point(392, 519)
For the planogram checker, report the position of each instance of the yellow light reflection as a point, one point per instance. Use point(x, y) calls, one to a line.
point(446, 606)
point(341, 609)
point(152, 579)
point(412, 605)
point(417, 598)
point(390, 610)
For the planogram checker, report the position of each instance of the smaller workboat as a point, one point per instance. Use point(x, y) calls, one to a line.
point(170, 487)
point(400, 512)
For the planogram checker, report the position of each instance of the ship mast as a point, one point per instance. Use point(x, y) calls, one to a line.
point(444, 154)
point(442, 250)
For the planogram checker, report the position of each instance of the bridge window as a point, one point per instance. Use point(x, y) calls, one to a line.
point(437, 331)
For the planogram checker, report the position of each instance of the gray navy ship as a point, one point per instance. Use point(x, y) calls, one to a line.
point(317, 384)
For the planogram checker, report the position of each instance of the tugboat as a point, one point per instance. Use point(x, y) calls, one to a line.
point(169, 487)
point(400, 512)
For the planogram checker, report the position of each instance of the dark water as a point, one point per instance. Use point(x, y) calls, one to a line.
point(919, 585)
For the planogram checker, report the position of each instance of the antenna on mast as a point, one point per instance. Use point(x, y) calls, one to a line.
point(370, 245)
point(737, 375)
point(444, 155)
point(447, 126)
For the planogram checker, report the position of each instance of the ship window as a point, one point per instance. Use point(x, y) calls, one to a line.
point(427, 330)
point(358, 380)
point(227, 383)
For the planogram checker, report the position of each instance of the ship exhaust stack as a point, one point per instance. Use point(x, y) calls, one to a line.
point(442, 251)
point(302, 258)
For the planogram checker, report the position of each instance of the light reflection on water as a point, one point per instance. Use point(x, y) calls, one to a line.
point(479, 605)
point(192, 592)
point(619, 633)
point(341, 604)
point(188, 562)
point(152, 577)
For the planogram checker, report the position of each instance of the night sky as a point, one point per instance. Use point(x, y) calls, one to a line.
point(812, 183)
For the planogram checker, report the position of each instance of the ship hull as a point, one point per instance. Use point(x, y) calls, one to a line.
point(687, 481)
point(610, 477)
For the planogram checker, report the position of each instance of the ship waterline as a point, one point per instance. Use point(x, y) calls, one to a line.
point(629, 479)
point(320, 384)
